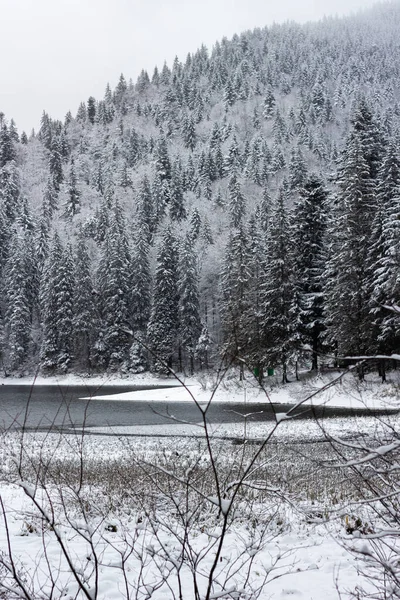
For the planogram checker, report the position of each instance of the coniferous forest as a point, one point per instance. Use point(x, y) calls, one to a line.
point(242, 205)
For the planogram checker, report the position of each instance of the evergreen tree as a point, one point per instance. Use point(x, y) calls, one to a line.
point(237, 203)
point(141, 279)
point(55, 164)
point(163, 163)
point(10, 189)
point(18, 309)
point(346, 277)
point(234, 294)
point(114, 284)
point(72, 204)
point(384, 257)
point(277, 289)
point(189, 132)
point(91, 110)
point(189, 305)
point(7, 147)
point(177, 210)
point(309, 262)
point(85, 318)
point(57, 308)
point(164, 319)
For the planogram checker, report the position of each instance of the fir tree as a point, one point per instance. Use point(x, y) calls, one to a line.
point(85, 319)
point(141, 279)
point(277, 289)
point(350, 229)
point(237, 203)
point(309, 262)
point(18, 308)
point(72, 204)
point(164, 319)
point(189, 305)
point(57, 309)
point(234, 294)
point(114, 283)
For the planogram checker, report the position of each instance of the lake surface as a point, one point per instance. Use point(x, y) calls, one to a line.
point(50, 406)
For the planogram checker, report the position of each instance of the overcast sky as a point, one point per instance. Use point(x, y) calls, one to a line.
point(56, 53)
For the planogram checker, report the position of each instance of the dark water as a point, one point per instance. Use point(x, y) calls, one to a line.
point(50, 406)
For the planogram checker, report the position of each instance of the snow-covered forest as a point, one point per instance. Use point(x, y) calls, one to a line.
point(243, 204)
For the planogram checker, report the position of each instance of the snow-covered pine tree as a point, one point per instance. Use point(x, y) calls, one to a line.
point(18, 306)
point(164, 319)
point(384, 256)
point(114, 287)
point(85, 316)
point(347, 302)
point(309, 261)
point(277, 289)
point(234, 301)
point(189, 306)
point(57, 308)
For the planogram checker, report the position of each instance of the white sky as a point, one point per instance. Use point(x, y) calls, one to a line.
point(56, 53)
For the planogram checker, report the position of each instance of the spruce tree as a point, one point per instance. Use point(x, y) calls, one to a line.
point(384, 256)
point(234, 303)
point(85, 318)
point(164, 319)
point(309, 262)
point(277, 289)
point(141, 278)
point(73, 194)
point(347, 302)
point(189, 305)
point(18, 308)
point(114, 282)
point(57, 308)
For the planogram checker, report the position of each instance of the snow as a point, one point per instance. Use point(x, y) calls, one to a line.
point(308, 543)
point(348, 393)
point(313, 555)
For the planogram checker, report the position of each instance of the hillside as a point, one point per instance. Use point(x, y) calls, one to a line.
point(241, 205)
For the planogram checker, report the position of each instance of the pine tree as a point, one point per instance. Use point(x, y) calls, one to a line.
point(237, 203)
point(85, 318)
point(309, 262)
point(141, 279)
point(234, 294)
point(72, 204)
point(177, 211)
point(7, 147)
point(384, 256)
point(91, 109)
point(277, 289)
point(55, 164)
point(57, 308)
point(346, 277)
point(163, 163)
point(189, 132)
point(164, 319)
point(18, 309)
point(10, 189)
point(145, 208)
point(114, 284)
point(189, 305)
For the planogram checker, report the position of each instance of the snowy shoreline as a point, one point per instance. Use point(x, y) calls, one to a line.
point(349, 393)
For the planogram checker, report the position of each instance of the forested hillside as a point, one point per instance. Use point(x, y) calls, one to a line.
point(243, 204)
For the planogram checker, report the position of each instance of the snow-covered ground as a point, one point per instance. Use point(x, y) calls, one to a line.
point(311, 555)
point(312, 559)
